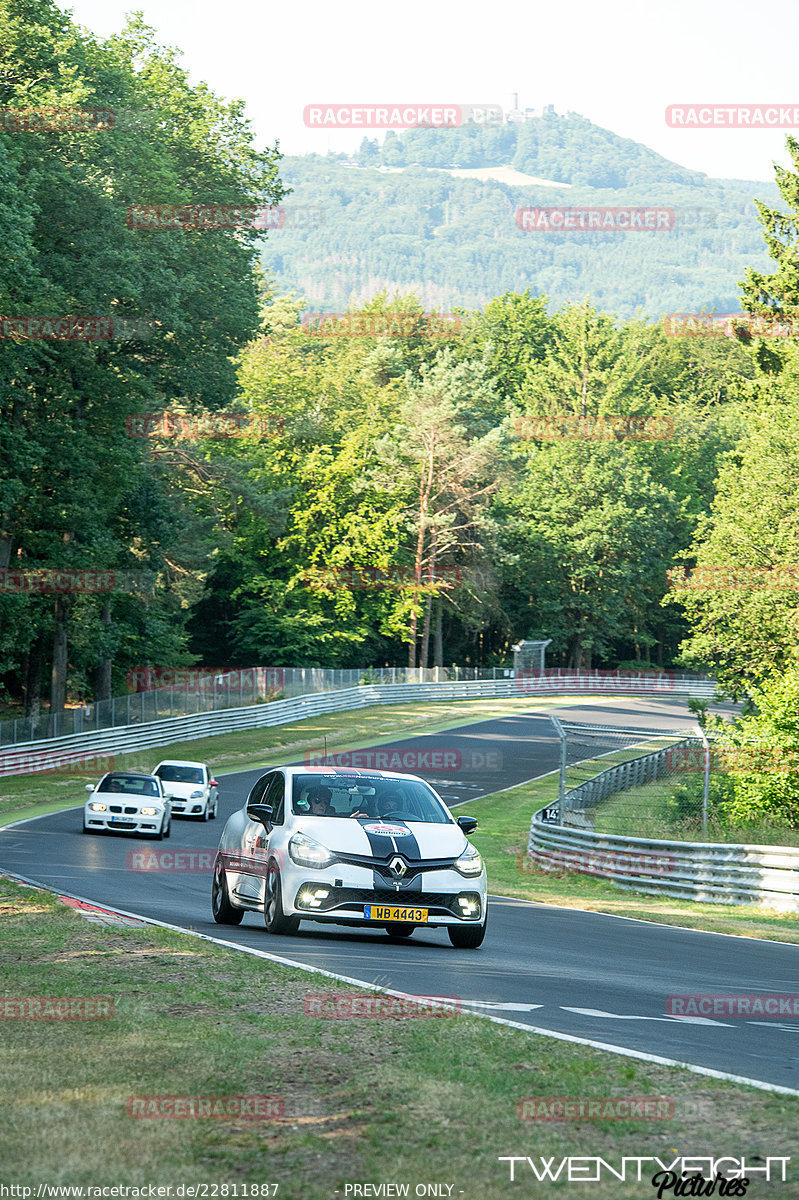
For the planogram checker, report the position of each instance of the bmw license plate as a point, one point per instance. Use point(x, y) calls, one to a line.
point(385, 912)
point(121, 821)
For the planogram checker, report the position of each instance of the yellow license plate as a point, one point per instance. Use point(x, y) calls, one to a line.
point(384, 912)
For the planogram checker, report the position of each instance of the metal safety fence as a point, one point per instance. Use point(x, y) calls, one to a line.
point(163, 694)
point(624, 780)
point(46, 754)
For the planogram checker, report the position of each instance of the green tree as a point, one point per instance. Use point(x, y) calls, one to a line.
point(181, 302)
point(777, 294)
point(742, 600)
point(585, 534)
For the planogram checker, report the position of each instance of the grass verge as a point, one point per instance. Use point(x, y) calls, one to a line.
point(672, 810)
point(392, 1100)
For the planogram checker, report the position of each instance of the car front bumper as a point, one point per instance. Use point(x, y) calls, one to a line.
point(188, 808)
point(448, 897)
point(122, 822)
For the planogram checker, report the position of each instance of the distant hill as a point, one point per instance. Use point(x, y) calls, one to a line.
point(434, 211)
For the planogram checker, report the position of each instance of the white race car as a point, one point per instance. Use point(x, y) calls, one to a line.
point(127, 801)
point(375, 849)
point(191, 785)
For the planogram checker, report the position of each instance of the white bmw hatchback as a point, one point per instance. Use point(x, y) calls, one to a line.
point(371, 849)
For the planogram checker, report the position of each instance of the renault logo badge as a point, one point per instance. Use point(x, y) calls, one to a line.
point(397, 867)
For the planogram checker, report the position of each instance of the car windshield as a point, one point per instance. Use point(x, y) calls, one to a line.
point(367, 796)
point(172, 774)
point(137, 785)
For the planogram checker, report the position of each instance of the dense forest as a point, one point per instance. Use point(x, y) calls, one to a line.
point(401, 215)
point(539, 468)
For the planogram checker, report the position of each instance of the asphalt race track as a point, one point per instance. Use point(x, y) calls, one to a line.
point(583, 974)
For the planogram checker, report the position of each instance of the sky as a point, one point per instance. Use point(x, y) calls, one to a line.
point(620, 64)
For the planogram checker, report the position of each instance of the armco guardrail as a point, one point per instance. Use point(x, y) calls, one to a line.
point(727, 873)
point(31, 757)
point(718, 872)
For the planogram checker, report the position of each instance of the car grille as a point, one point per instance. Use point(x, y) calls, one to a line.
point(380, 865)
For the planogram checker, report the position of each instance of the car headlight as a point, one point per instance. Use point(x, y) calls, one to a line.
point(307, 852)
point(198, 795)
point(149, 812)
point(470, 862)
point(97, 808)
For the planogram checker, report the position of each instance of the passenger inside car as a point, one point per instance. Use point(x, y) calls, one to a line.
point(319, 802)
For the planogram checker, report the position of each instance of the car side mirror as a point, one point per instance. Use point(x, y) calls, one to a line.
point(467, 824)
point(89, 787)
point(261, 812)
point(212, 783)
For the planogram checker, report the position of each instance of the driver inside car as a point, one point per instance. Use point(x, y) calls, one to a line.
point(387, 803)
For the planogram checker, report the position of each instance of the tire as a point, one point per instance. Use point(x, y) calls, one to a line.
point(223, 911)
point(213, 814)
point(467, 937)
point(86, 828)
point(400, 929)
point(275, 919)
point(206, 813)
point(168, 830)
point(159, 836)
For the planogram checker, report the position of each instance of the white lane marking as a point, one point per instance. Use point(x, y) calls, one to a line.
point(776, 1025)
point(563, 908)
point(624, 1051)
point(597, 1012)
point(502, 1005)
